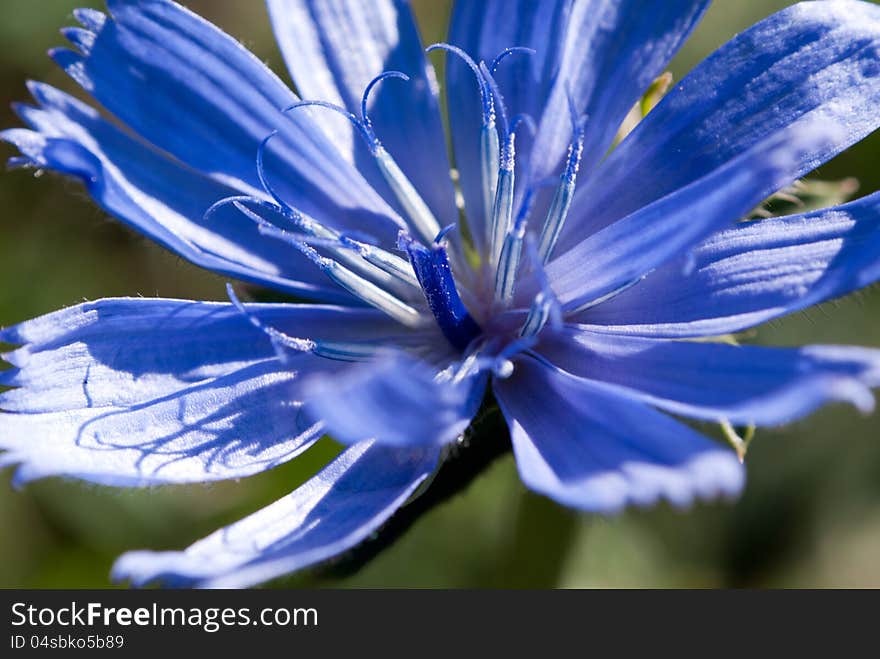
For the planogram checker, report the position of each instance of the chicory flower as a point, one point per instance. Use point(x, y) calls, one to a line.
point(573, 279)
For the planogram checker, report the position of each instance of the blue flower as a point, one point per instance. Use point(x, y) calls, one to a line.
point(569, 282)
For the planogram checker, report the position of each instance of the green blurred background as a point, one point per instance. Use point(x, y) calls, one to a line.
point(810, 516)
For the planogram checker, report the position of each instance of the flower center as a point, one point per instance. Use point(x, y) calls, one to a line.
point(402, 287)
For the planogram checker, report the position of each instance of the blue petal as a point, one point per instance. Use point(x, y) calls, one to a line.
point(229, 426)
point(814, 61)
point(136, 391)
point(620, 254)
point(158, 196)
point(612, 51)
point(591, 447)
point(606, 53)
point(334, 50)
point(396, 400)
point(753, 273)
point(123, 351)
point(741, 384)
point(195, 92)
point(91, 19)
point(334, 511)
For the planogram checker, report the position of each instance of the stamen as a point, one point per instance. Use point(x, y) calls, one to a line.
point(380, 266)
point(502, 210)
point(433, 271)
point(365, 117)
point(490, 154)
point(365, 131)
point(294, 239)
point(565, 192)
point(502, 206)
point(279, 339)
point(299, 219)
point(387, 278)
point(421, 218)
point(336, 350)
point(545, 306)
point(504, 54)
point(496, 97)
point(485, 95)
point(310, 226)
point(362, 288)
point(261, 173)
point(490, 148)
point(262, 203)
point(384, 260)
point(511, 251)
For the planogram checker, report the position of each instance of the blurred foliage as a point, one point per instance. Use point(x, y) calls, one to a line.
point(810, 515)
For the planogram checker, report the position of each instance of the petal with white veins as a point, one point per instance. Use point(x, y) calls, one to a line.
point(592, 447)
point(715, 381)
point(334, 511)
